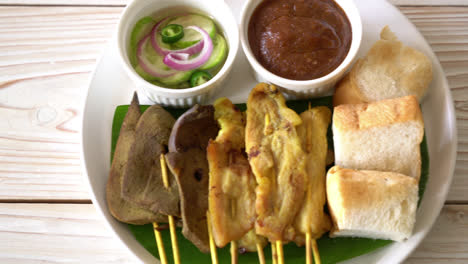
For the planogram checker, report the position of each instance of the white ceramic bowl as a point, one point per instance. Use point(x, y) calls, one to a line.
point(217, 9)
point(309, 88)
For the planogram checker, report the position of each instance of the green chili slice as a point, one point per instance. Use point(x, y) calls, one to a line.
point(199, 78)
point(172, 33)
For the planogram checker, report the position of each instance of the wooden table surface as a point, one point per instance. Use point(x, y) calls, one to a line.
point(48, 49)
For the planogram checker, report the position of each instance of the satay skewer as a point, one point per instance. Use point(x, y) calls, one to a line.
point(159, 244)
point(279, 251)
point(175, 246)
point(316, 252)
point(308, 247)
point(274, 256)
point(214, 255)
point(311, 248)
point(261, 256)
point(311, 243)
point(276, 247)
point(234, 257)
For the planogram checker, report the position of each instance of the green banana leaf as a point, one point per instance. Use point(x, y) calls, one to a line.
point(331, 250)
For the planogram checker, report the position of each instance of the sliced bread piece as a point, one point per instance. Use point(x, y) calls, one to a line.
point(383, 136)
point(390, 69)
point(372, 204)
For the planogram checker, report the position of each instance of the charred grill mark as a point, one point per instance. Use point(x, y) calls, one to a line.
point(162, 227)
point(260, 223)
point(198, 174)
point(254, 152)
point(271, 90)
point(288, 126)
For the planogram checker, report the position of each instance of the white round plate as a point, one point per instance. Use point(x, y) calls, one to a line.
point(110, 87)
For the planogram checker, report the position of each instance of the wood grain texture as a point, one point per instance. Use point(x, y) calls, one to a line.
point(44, 233)
point(445, 28)
point(47, 54)
point(59, 233)
point(447, 242)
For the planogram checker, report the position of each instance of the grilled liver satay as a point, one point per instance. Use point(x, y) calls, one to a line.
point(277, 160)
point(232, 184)
point(187, 161)
point(120, 208)
point(141, 181)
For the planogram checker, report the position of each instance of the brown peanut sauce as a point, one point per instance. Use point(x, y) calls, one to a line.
point(299, 39)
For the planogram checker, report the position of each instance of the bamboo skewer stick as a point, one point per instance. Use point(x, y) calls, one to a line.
point(276, 248)
point(214, 256)
point(175, 246)
point(316, 252)
point(308, 247)
point(234, 258)
point(261, 256)
point(279, 250)
point(274, 256)
point(159, 243)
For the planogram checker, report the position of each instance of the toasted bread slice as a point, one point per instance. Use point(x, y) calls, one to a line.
point(389, 70)
point(383, 136)
point(373, 204)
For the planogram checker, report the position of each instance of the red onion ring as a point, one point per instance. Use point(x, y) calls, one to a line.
point(195, 48)
point(173, 61)
point(181, 56)
point(148, 66)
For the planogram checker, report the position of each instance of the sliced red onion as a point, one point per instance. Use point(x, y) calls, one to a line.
point(181, 56)
point(195, 48)
point(146, 65)
point(176, 63)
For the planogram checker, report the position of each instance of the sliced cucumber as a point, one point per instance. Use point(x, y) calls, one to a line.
point(176, 79)
point(142, 28)
point(219, 54)
point(191, 36)
point(144, 74)
point(156, 60)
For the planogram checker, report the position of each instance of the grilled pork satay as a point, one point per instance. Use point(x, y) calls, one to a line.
point(250, 242)
point(231, 196)
point(313, 131)
point(277, 161)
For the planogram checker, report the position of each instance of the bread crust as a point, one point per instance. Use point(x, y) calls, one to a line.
point(346, 91)
point(390, 69)
point(354, 195)
point(350, 117)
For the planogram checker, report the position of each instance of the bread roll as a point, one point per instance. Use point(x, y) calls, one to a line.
point(372, 204)
point(383, 136)
point(389, 70)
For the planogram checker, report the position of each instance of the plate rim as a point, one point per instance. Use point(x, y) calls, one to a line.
point(451, 114)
